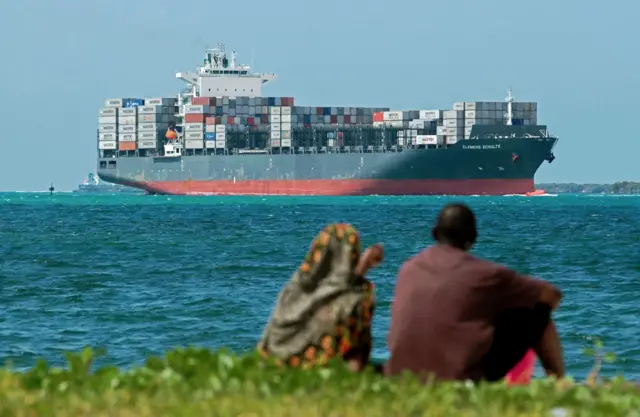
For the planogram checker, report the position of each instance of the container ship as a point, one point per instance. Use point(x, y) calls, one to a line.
point(221, 136)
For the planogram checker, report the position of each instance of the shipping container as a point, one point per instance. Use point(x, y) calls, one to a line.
point(209, 136)
point(441, 130)
point(196, 109)
point(108, 112)
point(210, 120)
point(285, 134)
point(107, 120)
point(194, 144)
point(113, 102)
point(194, 127)
point(285, 118)
point(161, 101)
point(285, 126)
point(378, 117)
point(393, 116)
point(459, 106)
point(221, 144)
point(210, 128)
point(193, 118)
point(127, 129)
point(202, 101)
point(145, 136)
point(152, 127)
point(221, 135)
point(275, 126)
point(417, 124)
point(470, 114)
point(427, 140)
point(127, 111)
point(132, 102)
point(107, 145)
point(429, 114)
point(453, 114)
point(453, 123)
point(274, 110)
point(152, 110)
point(276, 134)
point(147, 144)
point(210, 144)
point(126, 146)
point(394, 123)
point(285, 143)
point(286, 111)
point(127, 137)
point(194, 135)
point(107, 136)
point(113, 128)
point(275, 143)
point(275, 118)
point(128, 120)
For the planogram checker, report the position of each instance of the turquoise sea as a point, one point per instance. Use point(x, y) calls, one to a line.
point(142, 274)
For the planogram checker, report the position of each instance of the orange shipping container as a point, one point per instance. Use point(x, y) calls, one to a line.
point(126, 146)
point(201, 101)
point(194, 118)
point(378, 116)
point(210, 120)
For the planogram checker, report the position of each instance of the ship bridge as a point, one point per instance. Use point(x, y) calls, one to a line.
point(222, 77)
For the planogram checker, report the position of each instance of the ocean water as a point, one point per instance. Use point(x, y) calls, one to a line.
point(143, 274)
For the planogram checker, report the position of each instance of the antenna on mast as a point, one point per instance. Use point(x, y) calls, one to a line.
point(509, 100)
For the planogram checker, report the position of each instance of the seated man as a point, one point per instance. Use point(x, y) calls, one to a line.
point(458, 317)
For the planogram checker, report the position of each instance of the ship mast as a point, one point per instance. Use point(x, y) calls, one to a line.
point(509, 101)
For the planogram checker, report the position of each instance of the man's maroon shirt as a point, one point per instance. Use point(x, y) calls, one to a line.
point(445, 306)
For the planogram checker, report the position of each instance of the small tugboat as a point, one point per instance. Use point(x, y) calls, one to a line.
point(93, 185)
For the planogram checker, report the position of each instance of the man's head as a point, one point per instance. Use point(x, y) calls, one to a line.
point(456, 226)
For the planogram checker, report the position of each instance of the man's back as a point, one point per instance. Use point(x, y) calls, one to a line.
point(444, 312)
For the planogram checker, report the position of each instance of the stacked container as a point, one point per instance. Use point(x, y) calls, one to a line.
point(153, 121)
point(108, 125)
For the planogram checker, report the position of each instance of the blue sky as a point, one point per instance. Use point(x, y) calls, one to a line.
point(578, 60)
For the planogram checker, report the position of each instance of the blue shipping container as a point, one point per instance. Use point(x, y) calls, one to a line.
point(219, 111)
point(271, 101)
point(517, 122)
point(307, 118)
point(331, 135)
point(132, 102)
point(209, 136)
point(327, 111)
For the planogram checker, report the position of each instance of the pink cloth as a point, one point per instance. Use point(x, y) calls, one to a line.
point(522, 373)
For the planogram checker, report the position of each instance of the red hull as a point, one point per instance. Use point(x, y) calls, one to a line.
point(341, 187)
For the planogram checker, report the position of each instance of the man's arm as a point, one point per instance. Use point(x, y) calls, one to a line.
point(515, 290)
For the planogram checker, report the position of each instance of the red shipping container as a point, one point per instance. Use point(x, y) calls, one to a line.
point(201, 101)
point(334, 118)
point(194, 118)
point(210, 120)
point(347, 119)
point(378, 116)
point(250, 121)
point(230, 120)
point(218, 120)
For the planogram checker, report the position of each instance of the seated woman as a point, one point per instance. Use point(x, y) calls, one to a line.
point(325, 310)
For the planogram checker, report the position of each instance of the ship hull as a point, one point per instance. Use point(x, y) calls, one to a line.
point(473, 167)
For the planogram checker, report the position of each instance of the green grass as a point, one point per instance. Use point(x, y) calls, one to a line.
point(199, 382)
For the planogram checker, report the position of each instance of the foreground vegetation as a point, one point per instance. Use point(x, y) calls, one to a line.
point(624, 187)
point(198, 382)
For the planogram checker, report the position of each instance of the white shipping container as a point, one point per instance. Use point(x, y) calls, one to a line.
point(275, 143)
point(156, 118)
point(196, 108)
point(286, 118)
point(453, 114)
point(221, 136)
point(286, 111)
point(452, 123)
point(416, 124)
point(150, 110)
point(193, 144)
point(127, 129)
point(210, 128)
point(459, 106)
point(285, 143)
point(194, 127)
point(113, 102)
point(392, 116)
point(107, 136)
point(467, 131)
point(441, 130)
point(275, 118)
point(274, 110)
point(285, 134)
point(194, 136)
point(105, 145)
point(107, 120)
point(470, 122)
point(470, 114)
point(429, 114)
point(147, 144)
point(221, 144)
point(107, 128)
point(152, 127)
point(108, 112)
point(276, 134)
point(128, 120)
point(220, 128)
point(127, 137)
point(160, 101)
point(144, 136)
point(395, 123)
point(275, 126)
point(427, 140)
point(210, 144)
point(451, 140)
point(128, 111)
point(401, 141)
point(330, 143)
